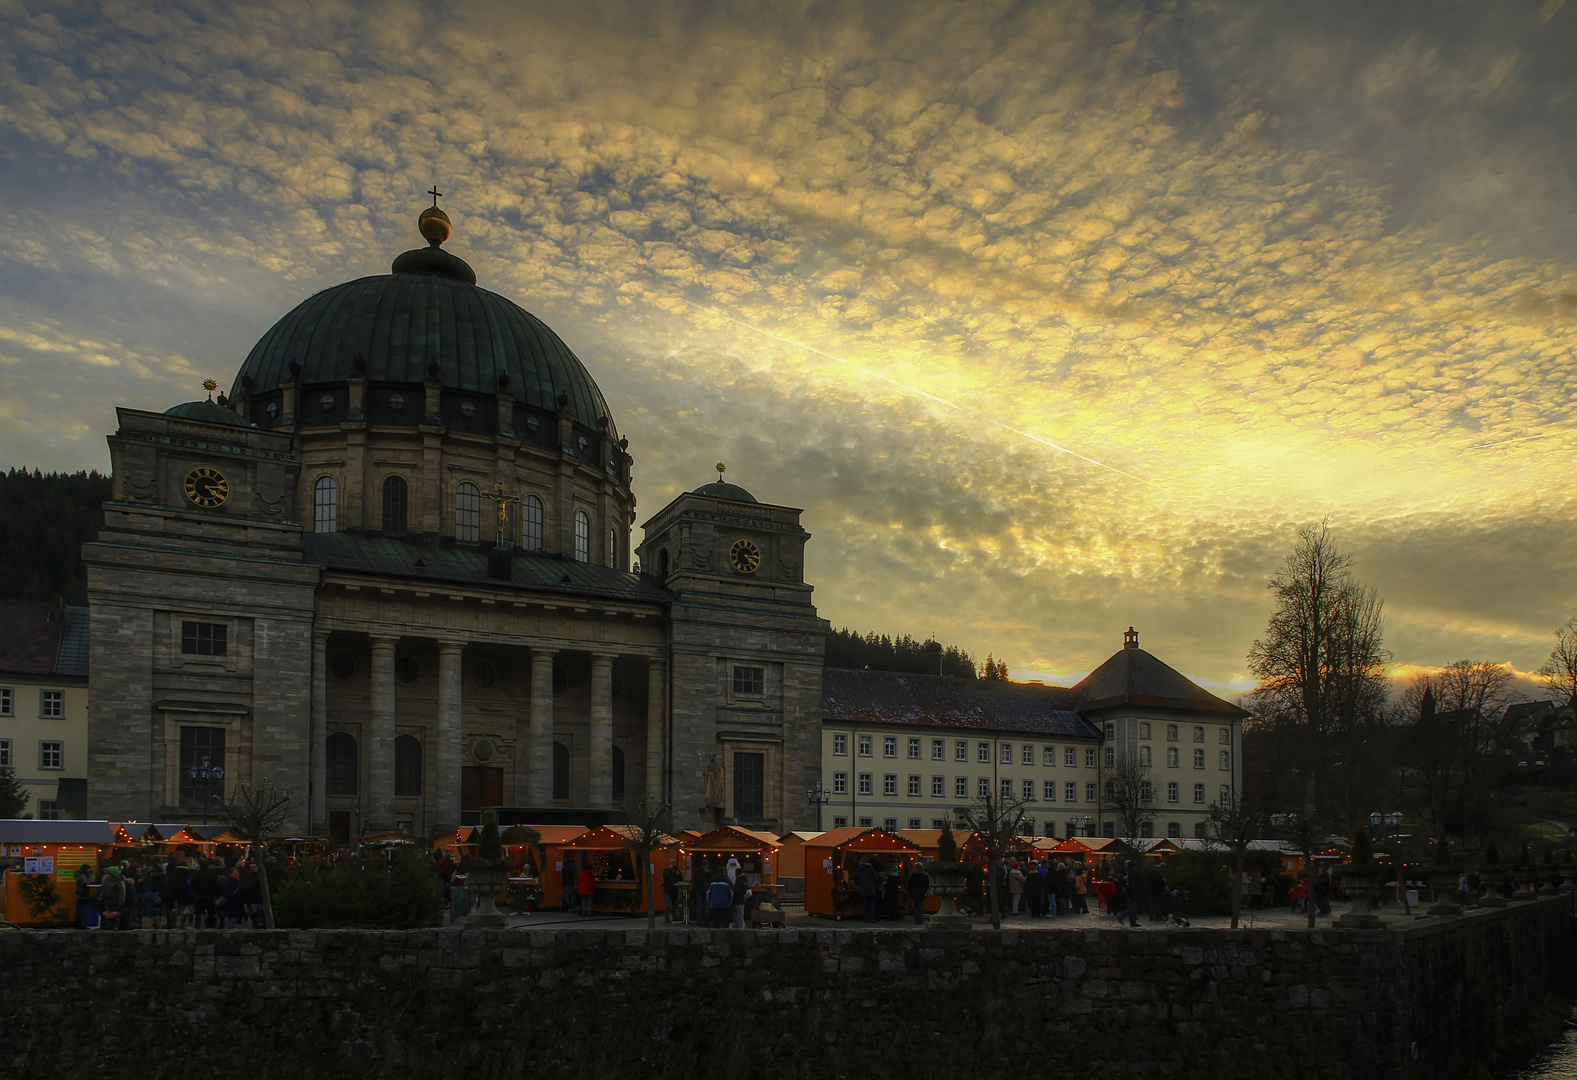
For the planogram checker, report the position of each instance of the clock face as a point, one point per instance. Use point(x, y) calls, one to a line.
point(207, 487)
point(744, 556)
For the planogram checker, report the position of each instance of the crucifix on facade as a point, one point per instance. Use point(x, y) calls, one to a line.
point(500, 495)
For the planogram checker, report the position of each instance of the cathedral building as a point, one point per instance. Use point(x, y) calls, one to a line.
point(393, 570)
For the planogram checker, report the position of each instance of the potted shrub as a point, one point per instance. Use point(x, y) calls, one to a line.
point(486, 875)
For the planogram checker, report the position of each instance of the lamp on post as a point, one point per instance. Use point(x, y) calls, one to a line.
point(818, 797)
point(1087, 821)
point(206, 775)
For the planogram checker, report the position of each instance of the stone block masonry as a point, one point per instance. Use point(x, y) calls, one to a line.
point(1426, 1001)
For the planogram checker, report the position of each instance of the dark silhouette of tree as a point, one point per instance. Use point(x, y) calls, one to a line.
point(1233, 824)
point(13, 797)
point(48, 517)
point(998, 819)
point(849, 649)
point(256, 811)
point(651, 823)
point(1130, 792)
point(1558, 674)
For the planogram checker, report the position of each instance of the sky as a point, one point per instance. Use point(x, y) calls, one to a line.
point(1055, 318)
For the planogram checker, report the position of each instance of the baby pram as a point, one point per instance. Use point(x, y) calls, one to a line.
point(1177, 907)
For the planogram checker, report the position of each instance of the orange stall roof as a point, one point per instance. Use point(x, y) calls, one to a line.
point(732, 836)
point(861, 840)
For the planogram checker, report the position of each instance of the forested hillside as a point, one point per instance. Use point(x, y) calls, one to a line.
point(44, 520)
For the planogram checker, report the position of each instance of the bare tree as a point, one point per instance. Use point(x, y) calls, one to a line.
point(1320, 667)
point(1233, 824)
point(648, 830)
point(998, 819)
point(256, 811)
point(1471, 696)
point(1130, 792)
point(1558, 674)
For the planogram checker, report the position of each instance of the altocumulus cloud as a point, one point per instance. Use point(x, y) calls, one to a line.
point(1275, 265)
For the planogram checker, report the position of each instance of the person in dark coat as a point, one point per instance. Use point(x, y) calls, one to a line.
point(890, 894)
point(568, 893)
point(1138, 895)
point(1155, 882)
point(720, 900)
point(205, 887)
point(869, 885)
point(1035, 893)
point(670, 891)
point(918, 885)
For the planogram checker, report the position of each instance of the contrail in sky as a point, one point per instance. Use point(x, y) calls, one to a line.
point(993, 421)
point(1520, 438)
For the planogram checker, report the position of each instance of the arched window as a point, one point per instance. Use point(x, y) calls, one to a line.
point(325, 505)
point(560, 771)
point(582, 537)
point(662, 563)
point(468, 513)
point(407, 765)
point(532, 538)
point(613, 547)
point(339, 760)
point(618, 775)
point(394, 506)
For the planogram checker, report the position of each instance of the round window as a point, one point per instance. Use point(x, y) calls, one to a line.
point(583, 442)
point(341, 666)
point(485, 675)
point(407, 670)
point(396, 402)
point(532, 423)
point(560, 680)
point(327, 401)
point(271, 410)
point(468, 408)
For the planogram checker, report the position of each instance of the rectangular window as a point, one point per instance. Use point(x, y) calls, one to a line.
point(938, 787)
point(1199, 734)
point(1144, 729)
point(1226, 795)
point(749, 681)
point(201, 746)
point(1171, 732)
point(890, 824)
point(1147, 828)
point(1225, 760)
point(890, 783)
point(938, 823)
point(48, 810)
point(889, 747)
point(1050, 790)
point(1007, 753)
point(51, 704)
point(1199, 830)
point(1111, 730)
point(204, 639)
point(914, 787)
point(1050, 757)
point(531, 524)
point(1171, 791)
point(51, 754)
point(1171, 757)
point(1070, 791)
point(914, 823)
point(982, 788)
point(1146, 792)
point(1174, 830)
point(960, 750)
point(840, 783)
point(865, 783)
point(1199, 759)
point(1068, 757)
point(1072, 827)
point(1111, 756)
point(840, 822)
point(1199, 794)
point(914, 749)
point(1029, 791)
point(1111, 791)
point(1089, 791)
point(1144, 756)
point(5, 754)
point(865, 746)
point(1007, 788)
point(1225, 736)
point(7, 701)
point(1029, 754)
point(840, 745)
point(467, 515)
point(938, 750)
point(750, 786)
point(1089, 757)
point(865, 823)
point(983, 753)
point(960, 787)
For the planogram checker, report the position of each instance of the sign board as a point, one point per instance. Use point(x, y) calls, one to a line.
point(66, 862)
point(38, 864)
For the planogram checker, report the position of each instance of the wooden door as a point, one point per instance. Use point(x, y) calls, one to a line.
point(481, 785)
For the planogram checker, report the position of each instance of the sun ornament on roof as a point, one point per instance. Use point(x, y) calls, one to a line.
point(210, 386)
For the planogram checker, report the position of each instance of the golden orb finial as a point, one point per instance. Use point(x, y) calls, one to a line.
point(721, 469)
point(210, 386)
point(434, 223)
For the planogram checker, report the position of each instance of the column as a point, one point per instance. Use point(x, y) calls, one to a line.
point(317, 738)
point(600, 745)
point(655, 745)
point(445, 803)
point(379, 801)
point(540, 790)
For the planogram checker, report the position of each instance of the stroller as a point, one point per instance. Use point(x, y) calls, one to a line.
point(1177, 907)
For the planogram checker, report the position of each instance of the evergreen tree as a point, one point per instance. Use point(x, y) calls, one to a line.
point(47, 519)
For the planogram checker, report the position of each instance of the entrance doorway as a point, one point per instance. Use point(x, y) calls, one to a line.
point(481, 785)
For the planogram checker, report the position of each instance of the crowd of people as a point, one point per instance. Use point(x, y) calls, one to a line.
point(178, 892)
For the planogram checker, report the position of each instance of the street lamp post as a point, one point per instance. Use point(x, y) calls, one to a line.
point(818, 797)
point(206, 774)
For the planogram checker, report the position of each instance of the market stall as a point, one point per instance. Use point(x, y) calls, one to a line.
point(40, 890)
point(607, 851)
point(549, 859)
point(791, 854)
point(830, 861)
point(757, 853)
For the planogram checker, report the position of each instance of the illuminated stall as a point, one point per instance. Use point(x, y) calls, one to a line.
point(40, 888)
point(830, 861)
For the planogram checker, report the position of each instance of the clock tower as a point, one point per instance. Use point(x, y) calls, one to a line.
point(747, 656)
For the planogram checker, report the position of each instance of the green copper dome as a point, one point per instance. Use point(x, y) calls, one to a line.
point(719, 490)
point(209, 411)
point(427, 311)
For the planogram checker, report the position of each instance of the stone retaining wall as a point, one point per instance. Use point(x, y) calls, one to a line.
point(1427, 1001)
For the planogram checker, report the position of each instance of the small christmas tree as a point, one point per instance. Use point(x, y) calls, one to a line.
point(946, 847)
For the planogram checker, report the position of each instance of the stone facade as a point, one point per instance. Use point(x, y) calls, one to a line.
point(1435, 1000)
